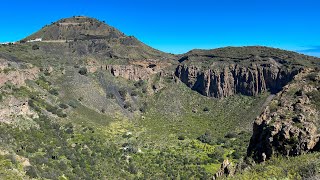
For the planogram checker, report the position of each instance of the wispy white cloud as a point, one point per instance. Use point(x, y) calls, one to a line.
point(311, 50)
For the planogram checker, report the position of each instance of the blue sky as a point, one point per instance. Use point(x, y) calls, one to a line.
point(178, 26)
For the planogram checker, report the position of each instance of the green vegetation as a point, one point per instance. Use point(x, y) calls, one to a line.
point(97, 126)
point(300, 167)
point(83, 71)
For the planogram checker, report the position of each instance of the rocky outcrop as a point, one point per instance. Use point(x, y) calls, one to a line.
point(227, 169)
point(129, 72)
point(138, 70)
point(13, 73)
point(288, 126)
point(12, 108)
point(233, 79)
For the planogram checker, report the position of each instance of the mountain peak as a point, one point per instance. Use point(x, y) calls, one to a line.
point(76, 28)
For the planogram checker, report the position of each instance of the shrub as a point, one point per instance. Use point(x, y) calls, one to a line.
point(63, 106)
point(110, 95)
point(35, 47)
point(144, 90)
point(138, 84)
point(31, 172)
point(231, 135)
point(54, 92)
point(83, 71)
point(206, 109)
point(236, 155)
point(181, 137)
point(122, 92)
point(312, 77)
point(127, 105)
point(52, 109)
point(61, 114)
point(206, 138)
point(73, 104)
point(217, 154)
point(134, 93)
point(143, 108)
point(308, 171)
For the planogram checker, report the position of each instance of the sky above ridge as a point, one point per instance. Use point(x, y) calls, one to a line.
point(178, 26)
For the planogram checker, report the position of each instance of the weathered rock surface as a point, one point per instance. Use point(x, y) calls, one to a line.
point(12, 108)
point(129, 72)
point(289, 125)
point(137, 70)
point(233, 79)
point(11, 72)
point(227, 169)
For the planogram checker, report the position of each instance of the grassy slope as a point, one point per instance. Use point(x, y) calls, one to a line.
point(154, 150)
point(170, 113)
point(300, 167)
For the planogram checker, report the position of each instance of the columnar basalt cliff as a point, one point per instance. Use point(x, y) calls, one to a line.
point(288, 126)
point(233, 79)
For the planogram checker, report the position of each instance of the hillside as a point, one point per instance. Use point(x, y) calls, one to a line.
point(88, 102)
point(85, 36)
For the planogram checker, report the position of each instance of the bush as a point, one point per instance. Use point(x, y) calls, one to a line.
point(31, 172)
point(52, 109)
point(217, 154)
point(206, 138)
point(138, 84)
point(110, 95)
point(63, 106)
point(181, 137)
point(308, 171)
point(206, 109)
point(143, 108)
point(236, 155)
point(35, 47)
point(54, 92)
point(61, 114)
point(73, 104)
point(231, 135)
point(123, 92)
point(83, 71)
point(134, 93)
point(312, 77)
point(127, 105)
point(144, 90)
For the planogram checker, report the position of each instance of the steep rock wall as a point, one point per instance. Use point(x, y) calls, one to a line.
point(289, 125)
point(233, 79)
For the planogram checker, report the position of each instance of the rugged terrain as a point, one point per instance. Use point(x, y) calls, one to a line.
point(289, 125)
point(89, 102)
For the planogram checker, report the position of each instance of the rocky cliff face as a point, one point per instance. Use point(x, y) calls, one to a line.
point(232, 79)
point(13, 73)
point(289, 125)
point(137, 70)
point(129, 72)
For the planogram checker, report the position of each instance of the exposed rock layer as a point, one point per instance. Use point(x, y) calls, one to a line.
point(233, 79)
point(289, 125)
point(137, 70)
point(11, 72)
